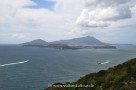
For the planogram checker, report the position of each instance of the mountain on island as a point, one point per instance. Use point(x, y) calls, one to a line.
point(82, 41)
point(36, 42)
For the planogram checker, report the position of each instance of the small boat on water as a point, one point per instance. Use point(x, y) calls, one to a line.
point(98, 62)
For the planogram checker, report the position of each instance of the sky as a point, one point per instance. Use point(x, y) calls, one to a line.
point(111, 21)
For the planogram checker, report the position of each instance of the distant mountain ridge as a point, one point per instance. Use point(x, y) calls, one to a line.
point(82, 41)
point(76, 43)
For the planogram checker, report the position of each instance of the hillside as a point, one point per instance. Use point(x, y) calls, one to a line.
point(120, 77)
point(36, 42)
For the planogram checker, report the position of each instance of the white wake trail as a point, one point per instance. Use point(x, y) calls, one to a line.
point(105, 62)
point(13, 63)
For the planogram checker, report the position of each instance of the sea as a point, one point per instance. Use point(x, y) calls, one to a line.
point(33, 68)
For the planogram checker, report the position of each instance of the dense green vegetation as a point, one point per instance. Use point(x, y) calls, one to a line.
point(120, 77)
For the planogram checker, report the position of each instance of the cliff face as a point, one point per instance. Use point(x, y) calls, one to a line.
point(120, 77)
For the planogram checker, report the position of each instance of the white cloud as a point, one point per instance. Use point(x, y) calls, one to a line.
point(105, 3)
point(16, 18)
point(9, 8)
point(102, 13)
point(18, 36)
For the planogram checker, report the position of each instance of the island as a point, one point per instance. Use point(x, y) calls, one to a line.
point(75, 43)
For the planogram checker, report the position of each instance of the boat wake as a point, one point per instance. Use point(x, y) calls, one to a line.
point(105, 62)
point(9, 64)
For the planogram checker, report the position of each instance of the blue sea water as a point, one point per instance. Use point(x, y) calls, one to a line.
point(47, 66)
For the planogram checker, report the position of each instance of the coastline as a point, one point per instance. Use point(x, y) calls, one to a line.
point(120, 77)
